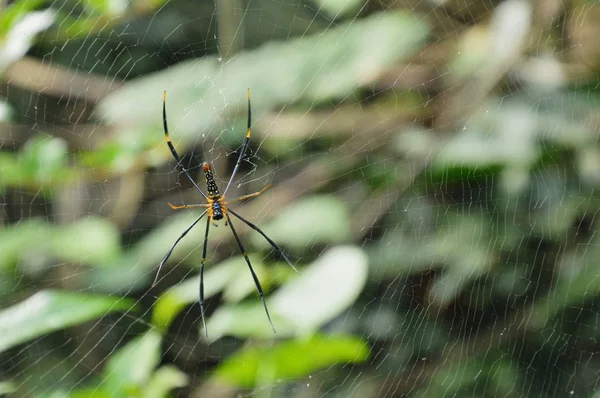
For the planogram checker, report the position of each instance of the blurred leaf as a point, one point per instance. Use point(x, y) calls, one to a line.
point(489, 137)
point(10, 171)
point(164, 380)
point(7, 387)
point(187, 292)
point(92, 392)
point(15, 12)
point(317, 68)
point(146, 254)
point(464, 378)
point(106, 8)
point(466, 254)
point(339, 8)
point(51, 310)
point(578, 282)
point(291, 360)
point(18, 28)
point(122, 153)
point(322, 291)
point(473, 52)
point(7, 112)
point(465, 247)
point(294, 226)
point(241, 283)
point(246, 320)
point(558, 202)
point(129, 370)
point(17, 239)
point(91, 240)
point(479, 146)
point(233, 277)
point(43, 161)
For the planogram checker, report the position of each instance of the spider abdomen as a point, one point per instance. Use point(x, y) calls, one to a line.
point(217, 210)
point(211, 185)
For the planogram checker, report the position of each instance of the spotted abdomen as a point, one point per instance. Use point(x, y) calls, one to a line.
point(211, 185)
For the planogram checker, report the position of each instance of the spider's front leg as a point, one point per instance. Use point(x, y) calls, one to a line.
point(204, 205)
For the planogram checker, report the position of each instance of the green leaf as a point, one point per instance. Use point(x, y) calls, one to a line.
point(43, 161)
point(15, 12)
point(187, 292)
point(302, 305)
point(17, 239)
point(24, 26)
point(294, 226)
point(577, 283)
point(320, 67)
point(246, 320)
point(91, 240)
point(45, 157)
point(290, 360)
point(311, 300)
point(51, 310)
point(129, 370)
point(459, 244)
point(92, 392)
point(241, 283)
point(7, 387)
point(339, 8)
point(164, 380)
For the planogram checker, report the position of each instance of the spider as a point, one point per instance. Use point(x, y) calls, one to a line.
point(217, 208)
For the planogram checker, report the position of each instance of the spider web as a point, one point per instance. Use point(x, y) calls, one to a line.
point(433, 168)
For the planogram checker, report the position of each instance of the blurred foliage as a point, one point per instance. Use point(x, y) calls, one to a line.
point(250, 366)
point(434, 174)
point(47, 311)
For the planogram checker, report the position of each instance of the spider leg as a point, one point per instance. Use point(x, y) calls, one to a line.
point(256, 281)
point(172, 148)
point(166, 257)
point(202, 275)
point(273, 244)
point(252, 195)
point(244, 147)
point(187, 206)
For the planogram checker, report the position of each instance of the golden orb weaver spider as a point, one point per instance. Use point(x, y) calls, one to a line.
point(217, 209)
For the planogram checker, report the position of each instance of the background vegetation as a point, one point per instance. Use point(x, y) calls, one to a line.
point(433, 163)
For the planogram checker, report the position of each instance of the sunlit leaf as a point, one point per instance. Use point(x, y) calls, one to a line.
point(339, 8)
point(294, 226)
point(20, 36)
point(164, 380)
point(15, 240)
point(7, 387)
point(130, 368)
point(187, 292)
point(93, 392)
point(241, 284)
point(318, 67)
point(322, 291)
point(291, 359)
point(246, 319)
point(91, 240)
point(43, 161)
point(51, 310)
